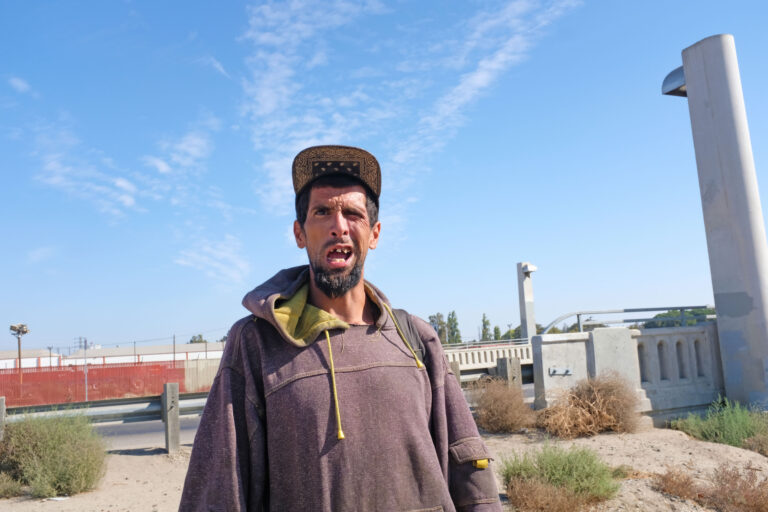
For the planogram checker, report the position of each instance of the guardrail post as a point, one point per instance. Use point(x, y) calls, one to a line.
point(456, 369)
point(170, 408)
point(509, 368)
point(2, 416)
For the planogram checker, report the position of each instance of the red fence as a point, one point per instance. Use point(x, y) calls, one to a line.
point(59, 385)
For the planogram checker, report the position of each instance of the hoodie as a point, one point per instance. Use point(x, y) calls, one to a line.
point(308, 412)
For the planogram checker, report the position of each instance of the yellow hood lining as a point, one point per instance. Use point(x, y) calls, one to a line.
point(301, 322)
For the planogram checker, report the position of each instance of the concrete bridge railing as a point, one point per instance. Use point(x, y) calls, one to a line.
point(486, 357)
point(673, 370)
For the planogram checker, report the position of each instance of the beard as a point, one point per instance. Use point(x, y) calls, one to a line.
point(335, 283)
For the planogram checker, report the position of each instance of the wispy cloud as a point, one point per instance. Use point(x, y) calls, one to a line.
point(294, 98)
point(19, 84)
point(191, 149)
point(83, 172)
point(219, 260)
point(215, 64)
point(188, 152)
point(156, 163)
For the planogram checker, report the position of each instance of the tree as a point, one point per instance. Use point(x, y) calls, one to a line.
point(198, 338)
point(438, 324)
point(452, 327)
point(496, 333)
point(517, 332)
point(485, 333)
point(674, 320)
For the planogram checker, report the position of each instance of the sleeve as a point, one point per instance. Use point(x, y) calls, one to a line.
point(228, 466)
point(457, 441)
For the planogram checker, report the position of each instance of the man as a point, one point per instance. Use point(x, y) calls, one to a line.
point(323, 350)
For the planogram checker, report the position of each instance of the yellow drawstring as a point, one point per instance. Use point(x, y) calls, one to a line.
point(340, 434)
point(419, 364)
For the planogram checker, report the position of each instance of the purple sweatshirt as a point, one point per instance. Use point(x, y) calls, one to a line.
point(269, 435)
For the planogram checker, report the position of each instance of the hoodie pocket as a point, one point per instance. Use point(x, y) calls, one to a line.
point(469, 449)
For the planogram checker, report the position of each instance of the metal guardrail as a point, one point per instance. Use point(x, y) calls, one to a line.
point(119, 409)
point(589, 321)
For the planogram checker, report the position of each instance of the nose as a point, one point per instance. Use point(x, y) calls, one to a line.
point(340, 225)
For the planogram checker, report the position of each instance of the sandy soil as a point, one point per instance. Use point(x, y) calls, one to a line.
point(149, 480)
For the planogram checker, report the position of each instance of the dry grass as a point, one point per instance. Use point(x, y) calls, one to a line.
point(734, 491)
point(501, 408)
point(731, 491)
point(533, 495)
point(757, 443)
point(677, 483)
point(605, 403)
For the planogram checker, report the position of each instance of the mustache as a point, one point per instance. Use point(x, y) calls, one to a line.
point(339, 241)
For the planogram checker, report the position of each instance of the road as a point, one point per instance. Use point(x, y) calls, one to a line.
point(145, 434)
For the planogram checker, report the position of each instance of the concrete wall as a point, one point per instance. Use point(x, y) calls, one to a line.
point(674, 370)
point(199, 374)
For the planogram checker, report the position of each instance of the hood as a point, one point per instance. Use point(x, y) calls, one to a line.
point(282, 301)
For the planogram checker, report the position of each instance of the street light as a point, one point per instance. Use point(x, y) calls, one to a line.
point(737, 244)
point(19, 330)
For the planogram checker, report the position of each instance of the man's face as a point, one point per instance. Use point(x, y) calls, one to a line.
point(337, 235)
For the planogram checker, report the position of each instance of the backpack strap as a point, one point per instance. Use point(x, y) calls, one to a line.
point(403, 319)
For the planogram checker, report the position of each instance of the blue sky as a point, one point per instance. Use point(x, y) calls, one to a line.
point(145, 152)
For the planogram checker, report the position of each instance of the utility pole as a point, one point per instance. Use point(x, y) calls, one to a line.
point(174, 351)
point(85, 345)
point(19, 330)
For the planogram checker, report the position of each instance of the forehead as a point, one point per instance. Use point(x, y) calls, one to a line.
point(354, 194)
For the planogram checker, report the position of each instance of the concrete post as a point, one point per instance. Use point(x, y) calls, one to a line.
point(733, 217)
point(456, 369)
point(170, 402)
point(2, 416)
point(525, 299)
point(509, 368)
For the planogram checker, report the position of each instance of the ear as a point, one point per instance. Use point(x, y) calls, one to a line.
point(373, 241)
point(298, 233)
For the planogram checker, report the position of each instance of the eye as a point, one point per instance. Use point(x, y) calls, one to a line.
point(322, 210)
point(353, 214)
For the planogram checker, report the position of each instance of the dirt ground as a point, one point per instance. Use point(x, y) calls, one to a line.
point(149, 480)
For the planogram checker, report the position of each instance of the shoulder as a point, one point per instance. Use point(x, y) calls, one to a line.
point(427, 334)
point(426, 331)
point(242, 344)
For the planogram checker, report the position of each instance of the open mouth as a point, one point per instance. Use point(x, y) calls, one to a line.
point(338, 256)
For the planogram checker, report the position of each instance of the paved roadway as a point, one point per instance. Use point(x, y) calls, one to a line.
point(145, 434)
point(151, 434)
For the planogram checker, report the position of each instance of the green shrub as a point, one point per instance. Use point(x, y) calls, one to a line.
point(54, 456)
point(577, 470)
point(8, 486)
point(725, 422)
